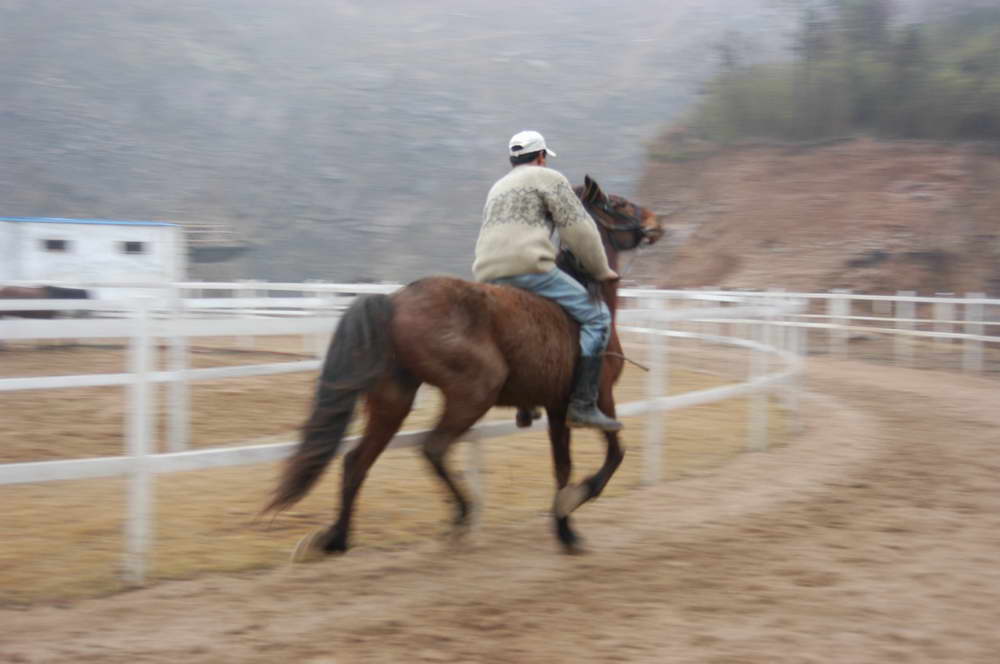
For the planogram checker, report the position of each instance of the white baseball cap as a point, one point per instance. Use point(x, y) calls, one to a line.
point(525, 142)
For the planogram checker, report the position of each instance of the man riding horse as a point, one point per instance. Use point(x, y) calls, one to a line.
point(522, 211)
point(483, 345)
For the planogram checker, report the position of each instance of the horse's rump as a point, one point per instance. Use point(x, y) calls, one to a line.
point(444, 326)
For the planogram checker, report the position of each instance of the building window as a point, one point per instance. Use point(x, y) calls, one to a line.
point(61, 246)
point(133, 247)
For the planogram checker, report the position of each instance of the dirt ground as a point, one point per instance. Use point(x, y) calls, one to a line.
point(870, 538)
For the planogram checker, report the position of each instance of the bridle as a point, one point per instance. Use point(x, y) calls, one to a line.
point(629, 224)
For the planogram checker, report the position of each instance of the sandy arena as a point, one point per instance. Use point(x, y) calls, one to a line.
point(870, 538)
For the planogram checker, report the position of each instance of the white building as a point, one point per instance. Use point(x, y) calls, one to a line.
point(91, 251)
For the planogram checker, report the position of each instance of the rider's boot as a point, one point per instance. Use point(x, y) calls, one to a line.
point(583, 410)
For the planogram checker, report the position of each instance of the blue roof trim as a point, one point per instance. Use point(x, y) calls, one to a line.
point(98, 222)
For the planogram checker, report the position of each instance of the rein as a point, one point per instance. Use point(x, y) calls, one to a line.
point(628, 267)
point(627, 223)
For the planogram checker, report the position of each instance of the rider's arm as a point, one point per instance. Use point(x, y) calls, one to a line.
point(576, 229)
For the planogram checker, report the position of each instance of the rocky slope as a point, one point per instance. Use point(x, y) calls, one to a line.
point(871, 216)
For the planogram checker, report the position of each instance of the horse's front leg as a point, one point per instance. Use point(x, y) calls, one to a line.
point(614, 453)
point(612, 459)
point(571, 497)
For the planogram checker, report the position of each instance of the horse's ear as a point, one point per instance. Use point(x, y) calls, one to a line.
point(592, 191)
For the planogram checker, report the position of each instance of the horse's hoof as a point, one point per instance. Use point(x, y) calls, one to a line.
point(569, 498)
point(572, 543)
point(574, 547)
point(460, 540)
point(309, 549)
point(462, 527)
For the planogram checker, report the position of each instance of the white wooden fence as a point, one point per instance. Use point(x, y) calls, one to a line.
point(770, 326)
point(959, 326)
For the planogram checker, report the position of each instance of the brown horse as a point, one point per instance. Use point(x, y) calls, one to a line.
point(38, 293)
point(481, 345)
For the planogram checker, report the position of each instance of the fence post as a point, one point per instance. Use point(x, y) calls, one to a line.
point(334, 310)
point(320, 340)
point(248, 289)
point(793, 400)
point(905, 315)
point(802, 338)
point(656, 386)
point(786, 337)
point(140, 432)
point(758, 400)
point(944, 315)
point(839, 311)
point(179, 388)
point(709, 328)
point(309, 344)
point(972, 349)
point(780, 330)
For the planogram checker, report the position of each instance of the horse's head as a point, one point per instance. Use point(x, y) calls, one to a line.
point(625, 224)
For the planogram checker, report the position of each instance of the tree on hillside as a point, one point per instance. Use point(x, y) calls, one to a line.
point(907, 83)
point(856, 70)
point(815, 45)
point(865, 24)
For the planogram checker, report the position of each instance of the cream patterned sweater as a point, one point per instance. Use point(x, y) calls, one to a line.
point(522, 210)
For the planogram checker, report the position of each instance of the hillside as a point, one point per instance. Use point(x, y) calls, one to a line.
point(346, 140)
point(343, 139)
point(871, 216)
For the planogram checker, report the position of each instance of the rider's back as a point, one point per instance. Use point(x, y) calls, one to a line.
point(522, 210)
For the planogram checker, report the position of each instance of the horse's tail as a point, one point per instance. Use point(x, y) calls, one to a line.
point(358, 354)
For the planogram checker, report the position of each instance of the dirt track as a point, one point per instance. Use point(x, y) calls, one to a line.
point(873, 538)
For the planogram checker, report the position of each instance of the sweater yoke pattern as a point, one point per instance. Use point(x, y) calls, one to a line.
point(531, 206)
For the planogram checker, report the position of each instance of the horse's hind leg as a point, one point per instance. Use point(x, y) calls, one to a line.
point(559, 436)
point(388, 404)
point(463, 407)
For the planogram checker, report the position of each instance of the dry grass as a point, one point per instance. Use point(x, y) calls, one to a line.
point(64, 539)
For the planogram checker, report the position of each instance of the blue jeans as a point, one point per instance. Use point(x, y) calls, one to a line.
point(592, 315)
